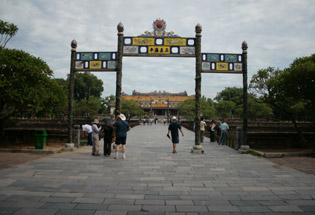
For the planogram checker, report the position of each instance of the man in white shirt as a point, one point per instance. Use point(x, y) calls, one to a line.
point(224, 127)
point(203, 126)
point(88, 128)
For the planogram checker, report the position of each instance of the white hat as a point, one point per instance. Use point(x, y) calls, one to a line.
point(96, 121)
point(122, 117)
point(174, 118)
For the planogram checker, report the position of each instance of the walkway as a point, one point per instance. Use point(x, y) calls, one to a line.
point(152, 180)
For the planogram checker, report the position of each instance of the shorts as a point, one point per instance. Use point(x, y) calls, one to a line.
point(121, 140)
point(175, 140)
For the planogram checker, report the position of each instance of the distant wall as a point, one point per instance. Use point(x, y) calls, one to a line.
point(268, 135)
point(23, 131)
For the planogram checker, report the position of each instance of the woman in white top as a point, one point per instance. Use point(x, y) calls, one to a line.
point(95, 135)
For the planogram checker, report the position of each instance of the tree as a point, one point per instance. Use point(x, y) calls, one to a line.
point(300, 82)
point(233, 94)
point(275, 89)
point(7, 31)
point(64, 84)
point(256, 109)
point(187, 109)
point(86, 85)
point(224, 108)
point(105, 103)
point(131, 108)
point(87, 108)
point(26, 86)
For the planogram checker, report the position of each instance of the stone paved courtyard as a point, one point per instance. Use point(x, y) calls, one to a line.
point(152, 180)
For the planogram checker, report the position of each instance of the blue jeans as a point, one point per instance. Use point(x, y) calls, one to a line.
point(222, 138)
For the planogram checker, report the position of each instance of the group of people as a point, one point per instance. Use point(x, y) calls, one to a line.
point(114, 131)
point(216, 129)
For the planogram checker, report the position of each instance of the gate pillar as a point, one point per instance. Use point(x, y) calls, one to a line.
point(71, 90)
point(197, 147)
point(245, 112)
point(120, 34)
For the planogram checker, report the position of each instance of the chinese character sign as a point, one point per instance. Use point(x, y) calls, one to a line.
point(95, 61)
point(221, 63)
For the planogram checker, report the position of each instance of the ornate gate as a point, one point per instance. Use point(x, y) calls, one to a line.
point(160, 43)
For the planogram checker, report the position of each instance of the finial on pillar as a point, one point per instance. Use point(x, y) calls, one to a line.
point(120, 28)
point(74, 45)
point(244, 45)
point(198, 29)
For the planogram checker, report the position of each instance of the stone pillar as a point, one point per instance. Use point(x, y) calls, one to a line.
point(76, 135)
point(239, 138)
point(71, 90)
point(120, 34)
point(197, 147)
point(244, 147)
point(245, 115)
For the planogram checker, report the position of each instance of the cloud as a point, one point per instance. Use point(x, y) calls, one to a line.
point(276, 33)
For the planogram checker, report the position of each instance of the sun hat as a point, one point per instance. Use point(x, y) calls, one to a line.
point(96, 121)
point(122, 117)
point(174, 118)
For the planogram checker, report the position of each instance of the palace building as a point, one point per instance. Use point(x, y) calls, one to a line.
point(157, 103)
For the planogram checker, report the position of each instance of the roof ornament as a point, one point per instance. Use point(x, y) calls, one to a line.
point(159, 26)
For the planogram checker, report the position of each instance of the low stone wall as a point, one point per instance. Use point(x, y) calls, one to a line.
point(278, 140)
point(268, 135)
point(23, 131)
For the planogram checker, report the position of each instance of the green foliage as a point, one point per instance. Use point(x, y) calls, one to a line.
point(230, 102)
point(289, 91)
point(256, 109)
point(87, 108)
point(7, 31)
point(26, 86)
point(275, 89)
point(299, 81)
point(131, 108)
point(86, 85)
point(64, 84)
point(232, 94)
point(187, 109)
point(105, 103)
point(224, 108)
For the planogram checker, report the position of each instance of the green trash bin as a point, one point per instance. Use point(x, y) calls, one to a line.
point(40, 139)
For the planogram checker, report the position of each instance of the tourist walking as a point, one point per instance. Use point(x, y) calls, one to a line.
point(224, 127)
point(88, 129)
point(122, 126)
point(212, 130)
point(109, 136)
point(96, 138)
point(173, 129)
point(203, 126)
point(218, 130)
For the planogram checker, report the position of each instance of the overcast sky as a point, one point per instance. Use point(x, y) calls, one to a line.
point(277, 32)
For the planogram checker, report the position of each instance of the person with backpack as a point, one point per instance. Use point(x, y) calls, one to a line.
point(122, 127)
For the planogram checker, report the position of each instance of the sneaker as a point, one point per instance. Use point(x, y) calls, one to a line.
point(124, 157)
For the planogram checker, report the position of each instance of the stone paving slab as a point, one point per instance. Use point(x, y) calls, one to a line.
point(153, 180)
